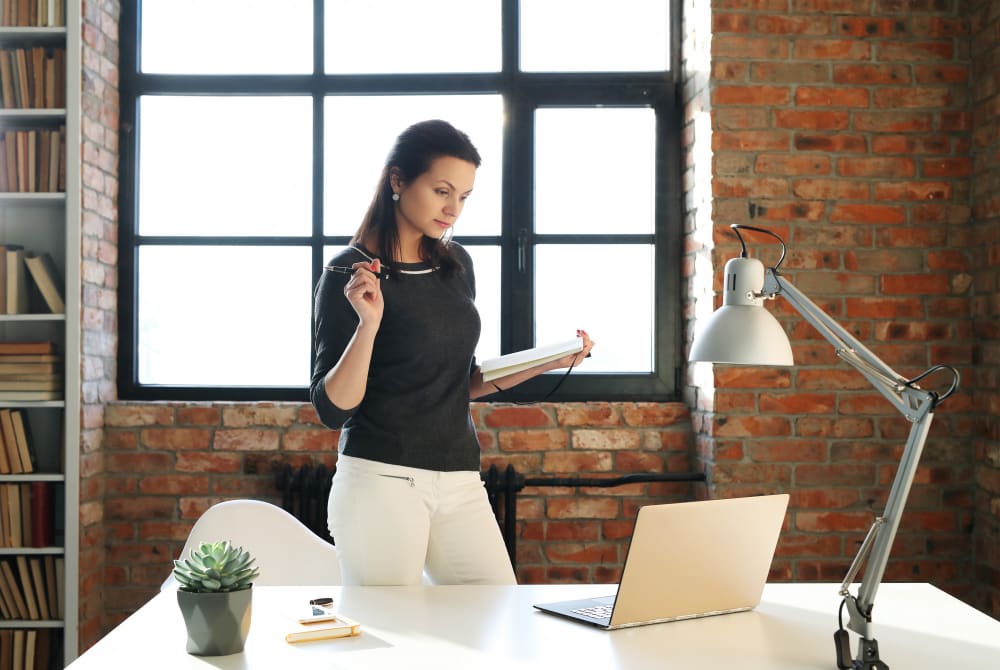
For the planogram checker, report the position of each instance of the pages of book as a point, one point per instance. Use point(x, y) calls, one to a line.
point(517, 361)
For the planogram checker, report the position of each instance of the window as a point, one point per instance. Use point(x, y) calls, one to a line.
point(254, 132)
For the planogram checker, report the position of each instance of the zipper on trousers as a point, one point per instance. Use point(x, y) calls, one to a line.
point(408, 479)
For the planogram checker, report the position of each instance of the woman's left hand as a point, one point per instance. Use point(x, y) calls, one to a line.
point(577, 358)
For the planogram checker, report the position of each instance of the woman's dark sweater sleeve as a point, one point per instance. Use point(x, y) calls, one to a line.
point(336, 322)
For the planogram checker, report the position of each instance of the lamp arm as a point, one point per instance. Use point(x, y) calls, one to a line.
point(914, 403)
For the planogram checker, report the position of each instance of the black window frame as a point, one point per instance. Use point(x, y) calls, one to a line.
point(523, 93)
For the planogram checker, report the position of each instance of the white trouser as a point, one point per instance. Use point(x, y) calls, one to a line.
point(392, 523)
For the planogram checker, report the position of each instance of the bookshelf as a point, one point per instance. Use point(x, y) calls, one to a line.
point(41, 214)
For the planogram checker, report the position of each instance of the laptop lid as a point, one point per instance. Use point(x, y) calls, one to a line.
point(693, 559)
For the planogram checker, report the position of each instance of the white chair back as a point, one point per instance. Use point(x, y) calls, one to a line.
point(287, 552)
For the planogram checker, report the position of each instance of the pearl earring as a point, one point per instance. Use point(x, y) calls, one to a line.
point(395, 197)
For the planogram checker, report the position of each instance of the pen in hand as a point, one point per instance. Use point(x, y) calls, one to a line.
point(349, 271)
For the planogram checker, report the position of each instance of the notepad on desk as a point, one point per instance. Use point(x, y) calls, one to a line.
point(508, 364)
point(328, 629)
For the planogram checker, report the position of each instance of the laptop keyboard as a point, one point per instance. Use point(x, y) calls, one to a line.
point(596, 612)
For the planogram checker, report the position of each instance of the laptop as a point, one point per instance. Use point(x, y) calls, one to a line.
point(688, 560)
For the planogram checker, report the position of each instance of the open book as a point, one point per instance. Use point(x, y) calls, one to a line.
point(508, 364)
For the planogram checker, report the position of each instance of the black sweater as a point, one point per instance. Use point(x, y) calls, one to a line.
point(415, 411)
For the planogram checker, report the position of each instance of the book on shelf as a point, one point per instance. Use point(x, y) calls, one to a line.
point(508, 364)
point(9, 585)
point(26, 347)
point(42, 505)
point(43, 271)
point(17, 286)
point(51, 592)
point(38, 584)
point(22, 436)
point(10, 442)
point(24, 576)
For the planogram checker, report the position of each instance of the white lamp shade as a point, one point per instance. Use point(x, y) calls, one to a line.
point(742, 332)
point(742, 335)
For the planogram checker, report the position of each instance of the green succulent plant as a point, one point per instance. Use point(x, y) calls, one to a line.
point(215, 568)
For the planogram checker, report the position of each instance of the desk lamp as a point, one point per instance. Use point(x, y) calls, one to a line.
point(742, 332)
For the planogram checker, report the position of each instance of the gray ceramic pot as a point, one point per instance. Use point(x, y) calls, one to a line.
point(217, 623)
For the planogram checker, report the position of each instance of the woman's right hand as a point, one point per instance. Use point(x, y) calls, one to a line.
point(364, 292)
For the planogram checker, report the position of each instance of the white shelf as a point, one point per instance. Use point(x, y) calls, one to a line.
point(50, 221)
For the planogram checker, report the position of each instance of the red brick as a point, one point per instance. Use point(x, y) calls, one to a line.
point(197, 461)
point(893, 122)
point(582, 508)
point(868, 213)
point(655, 414)
point(811, 120)
point(199, 416)
point(605, 439)
point(138, 415)
point(571, 530)
point(830, 143)
point(791, 25)
point(246, 439)
point(868, 26)
point(791, 164)
point(563, 462)
point(830, 189)
point(750, 95)
point(822, 522)
point(533, 440)
point(831, 96)
point(729, 46)
point(725, 22)
point(598, 553)
point(927, 190)
point(587, 414)
point(913, 97)
point(947, 167)
point(175, 439)
point(517, 417)
point(310, 440)
point(263, 414)
point(876, 167)
point(912, 284)
point(861, 73)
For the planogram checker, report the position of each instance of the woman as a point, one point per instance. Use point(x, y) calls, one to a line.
point(394, 365)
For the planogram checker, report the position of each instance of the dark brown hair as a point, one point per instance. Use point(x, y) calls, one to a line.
point(411, 156)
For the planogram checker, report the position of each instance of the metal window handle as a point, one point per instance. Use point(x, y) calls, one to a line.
point(522, 250)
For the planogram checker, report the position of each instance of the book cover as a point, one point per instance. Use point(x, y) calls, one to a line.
point(5, 538)
point(50, 586)
point(6, 652)
point(25, 494)
point(339, 626)
point(15, 516)
point(42, 514)
point(38, 581)
point(18, 652)
point(23, 436)
point(14, 590)
point(17, 286)
point(43, 271)
point(508, 364)
point(8, 597)
point(4, 458)
point(27, 590)
point(21, 348)
point(10, 441)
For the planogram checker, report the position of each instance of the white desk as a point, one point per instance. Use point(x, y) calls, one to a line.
point(472, 627)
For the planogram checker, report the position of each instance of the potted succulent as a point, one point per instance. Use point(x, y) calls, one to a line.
point(214, 591)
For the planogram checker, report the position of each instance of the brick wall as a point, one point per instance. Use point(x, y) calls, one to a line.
point(166, 463)
point(985, 249)
point(99, 124)
point(843, 126)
